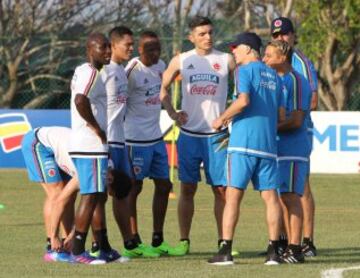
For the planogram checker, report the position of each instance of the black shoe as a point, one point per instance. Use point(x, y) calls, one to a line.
point(309, 250)
point(220, 259)
point(292, 257)
point(283, 244)
point(272, 257)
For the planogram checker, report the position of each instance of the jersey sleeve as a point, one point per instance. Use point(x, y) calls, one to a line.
point(83, 80)
point(313, 81)
point(243, 81)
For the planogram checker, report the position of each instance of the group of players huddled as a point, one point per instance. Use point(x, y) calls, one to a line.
point(115, 142)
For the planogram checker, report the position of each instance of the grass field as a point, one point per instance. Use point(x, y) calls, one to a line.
point(337, 235)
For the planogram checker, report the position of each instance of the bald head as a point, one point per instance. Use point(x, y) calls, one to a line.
point(98, 50)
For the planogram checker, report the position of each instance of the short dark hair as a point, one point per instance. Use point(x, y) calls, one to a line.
point(199, 21)
point(148, 34)
point(118, 32)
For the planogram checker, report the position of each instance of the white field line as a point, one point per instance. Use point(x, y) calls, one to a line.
point(337, 272)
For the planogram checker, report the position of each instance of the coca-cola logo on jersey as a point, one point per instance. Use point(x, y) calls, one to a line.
point(207, 90)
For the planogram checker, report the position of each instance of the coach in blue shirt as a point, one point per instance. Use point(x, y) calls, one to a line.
point(252, 146)
point(283, 29)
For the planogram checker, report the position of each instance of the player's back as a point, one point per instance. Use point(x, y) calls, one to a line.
point(256, 127)
point(57, 139)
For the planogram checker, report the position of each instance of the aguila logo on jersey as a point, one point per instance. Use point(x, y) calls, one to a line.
point(13, 127)
point(216, 66)
point(190, 67)
point(204, 77)
point(146, 81)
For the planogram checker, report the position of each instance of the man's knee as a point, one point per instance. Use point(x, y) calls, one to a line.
point(136, 188)
point(219, 193)
point(188, 190)
point(163, 186)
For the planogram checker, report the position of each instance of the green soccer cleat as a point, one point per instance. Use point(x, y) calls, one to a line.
point(163, 249)
point(142, 251)
point(181, 249)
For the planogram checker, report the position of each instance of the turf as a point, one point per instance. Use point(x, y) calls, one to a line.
point(337, 234)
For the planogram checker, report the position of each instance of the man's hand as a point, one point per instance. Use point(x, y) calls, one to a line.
point(218, 123)
point(180, 117)
point(56, 244)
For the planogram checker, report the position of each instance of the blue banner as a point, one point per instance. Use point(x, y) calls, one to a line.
point(14, 124)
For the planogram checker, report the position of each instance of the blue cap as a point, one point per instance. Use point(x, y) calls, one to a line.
point(282, 25)
point(249, 39)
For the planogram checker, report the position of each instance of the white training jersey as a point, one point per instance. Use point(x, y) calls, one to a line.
point(116, 85)
point(204, 88)
point(84, 142)
point(142, 118)
point(57, 139)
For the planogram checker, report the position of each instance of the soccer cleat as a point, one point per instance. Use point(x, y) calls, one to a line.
point(94, 254)
point(292, 257)
point(272, 257)
point(309, 249)
point(181, 249)
point(282, 246)
point(163, 249)
point(221, 259)
point(53, 256)
point(112, 256)
point(141, 251)
point(85, 258)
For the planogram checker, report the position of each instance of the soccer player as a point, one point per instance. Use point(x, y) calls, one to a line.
point(204, 86)
point(88, 143)
point(252, 148)
point(47, 148)
point(116, 83)
point(283, 29)
point(42, 167)
point(293, 144)
point(144, 138)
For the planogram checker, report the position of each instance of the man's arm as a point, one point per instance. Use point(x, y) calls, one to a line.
point(168, 77)
point(68, 194)
point(314, 101)
point(232, 65)
point(235, 108)
point(83, 106)
point(294, 122)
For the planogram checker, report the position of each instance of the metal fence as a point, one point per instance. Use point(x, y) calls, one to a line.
point(44, 78)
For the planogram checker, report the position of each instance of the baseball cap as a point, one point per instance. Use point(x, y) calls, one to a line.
point(282, 25)
point(247, 38)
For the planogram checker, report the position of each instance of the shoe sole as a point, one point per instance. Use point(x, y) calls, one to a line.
point(122, 260)
point(271, 263)
point(222, 263)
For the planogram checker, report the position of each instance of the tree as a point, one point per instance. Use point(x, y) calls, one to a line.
point(330, 34)
point(41, 42)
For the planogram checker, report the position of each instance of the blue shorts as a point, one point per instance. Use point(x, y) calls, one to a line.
point(292, 176)
point(150, 161)
point(241, 168)
point(121, 159)
point(40, 161)
point(192, 151)
point(92, 174)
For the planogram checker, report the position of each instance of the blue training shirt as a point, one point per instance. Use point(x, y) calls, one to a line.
point(254, 129)
point(305, 67)
point(295, 145)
